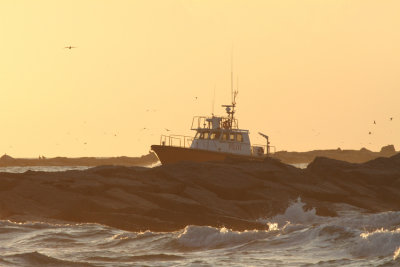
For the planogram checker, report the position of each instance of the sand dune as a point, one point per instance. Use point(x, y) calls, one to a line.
point(170, 197)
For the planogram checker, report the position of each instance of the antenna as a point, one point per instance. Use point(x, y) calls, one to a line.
point(237, 90)
point(213, 102)
point(230, 109)
point(232, 74)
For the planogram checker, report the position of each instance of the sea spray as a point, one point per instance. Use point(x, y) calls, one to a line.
point(295, 213)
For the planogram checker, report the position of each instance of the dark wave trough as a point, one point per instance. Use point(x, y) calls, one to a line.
point(166, 198)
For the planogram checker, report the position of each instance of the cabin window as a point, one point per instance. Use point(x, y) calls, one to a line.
point(232, 137)
point(197, 136)
point(214, 136)
point(206, 134)
point(224, 136)
point(239, 137)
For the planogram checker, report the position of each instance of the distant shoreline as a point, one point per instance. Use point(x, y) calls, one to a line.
point(352, 156)
point(8, 161)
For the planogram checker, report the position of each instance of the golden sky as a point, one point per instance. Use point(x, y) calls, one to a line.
point(313, 74)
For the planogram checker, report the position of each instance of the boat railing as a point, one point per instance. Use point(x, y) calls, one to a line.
point(262, 150)
point(203, 122)
point(176, 140)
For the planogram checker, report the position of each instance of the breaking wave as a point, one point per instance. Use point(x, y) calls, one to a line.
point(295, 236)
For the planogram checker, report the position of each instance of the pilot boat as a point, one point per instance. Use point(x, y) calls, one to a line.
point(217, 138)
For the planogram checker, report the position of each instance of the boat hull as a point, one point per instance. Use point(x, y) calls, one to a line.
point(171, 154)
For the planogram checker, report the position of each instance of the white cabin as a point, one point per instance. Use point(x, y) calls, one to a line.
point(220, 134)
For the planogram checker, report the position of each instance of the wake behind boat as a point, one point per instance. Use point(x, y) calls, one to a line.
point(217, 138)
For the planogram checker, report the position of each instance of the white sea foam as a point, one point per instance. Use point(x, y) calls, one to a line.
point(396, 253)
point(123, 236)
point(37, 224)
point(300, 165)
point(294, 237)
point(300, 226)
point(370, 222)
point(155, 164)
point(207, 237)
point(380, 242)
point(294, 214)
point(293, 219)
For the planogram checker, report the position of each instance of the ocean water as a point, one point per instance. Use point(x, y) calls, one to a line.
point(297, 237)
point(300, 165)
point(22, 169)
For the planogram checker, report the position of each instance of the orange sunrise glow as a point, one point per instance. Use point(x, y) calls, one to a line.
point(311, 74)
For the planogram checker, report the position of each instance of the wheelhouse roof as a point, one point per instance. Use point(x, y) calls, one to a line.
point(202, 130)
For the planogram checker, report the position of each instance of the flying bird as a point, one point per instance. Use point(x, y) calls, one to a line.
point(69, 47)
point(167, 129)
point(374, 122)
point(391, 119)
point(369, 133)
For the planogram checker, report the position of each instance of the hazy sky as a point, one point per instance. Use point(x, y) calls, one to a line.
point(312, 74)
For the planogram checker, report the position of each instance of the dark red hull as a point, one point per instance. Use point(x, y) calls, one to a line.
point(171, 154)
